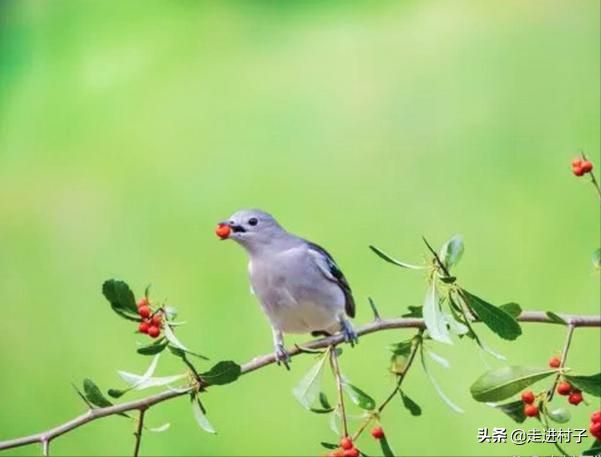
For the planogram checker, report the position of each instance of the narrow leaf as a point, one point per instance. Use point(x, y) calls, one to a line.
point(498, 320)
point(413, 407)
point(116, 393)
point(385, 446)
point(200, 416)
point(438, 359)
point(451, 251)
point(437, 387)
point(358, 397)
point(414, 311)
point(504, 382)
point(222, 373)
point(172, 339)
point(597, 259)
point(154, 348)
point(329, 445)
point(556, 318)
point(307, 389)
point(589, 384)
point(326, 407)
point(595, 449)
point(160, 428)
point(398, 263)
point(433, 316)
point(514, 409)
point(94, 395)
point(513, 309)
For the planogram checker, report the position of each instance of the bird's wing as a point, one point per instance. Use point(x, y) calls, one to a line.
point(331, 271)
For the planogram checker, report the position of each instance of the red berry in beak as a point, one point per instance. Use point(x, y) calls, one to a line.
point(223, 231)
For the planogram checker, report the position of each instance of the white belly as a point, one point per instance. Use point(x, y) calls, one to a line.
point(303, 317)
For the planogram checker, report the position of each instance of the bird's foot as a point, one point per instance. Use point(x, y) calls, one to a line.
point(350, 336)
point(281, 356)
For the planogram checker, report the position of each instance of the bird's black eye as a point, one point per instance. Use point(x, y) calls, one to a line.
point(253, 221)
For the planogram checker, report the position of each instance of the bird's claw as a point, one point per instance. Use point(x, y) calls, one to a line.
point(350, 336)
point(282, 357)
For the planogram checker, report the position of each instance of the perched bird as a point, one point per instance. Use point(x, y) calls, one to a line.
point(298, 284)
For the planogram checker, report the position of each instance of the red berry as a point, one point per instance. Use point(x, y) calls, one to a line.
point(336, 453)
point(528, 397)
point(586, 166)
point(575, 398)
point(576, 162)
point(154, 331)
point(531, 410)
point(143, 302)
point(554, 362)
point(596, 430)
point(223, 231)
point(377, 433)
point(578, 170)
point(157, 319)
point(564, 388)
point(346, 443)
point(143, 327)
point(352, 452)
point(144, 311)
point(596, 417)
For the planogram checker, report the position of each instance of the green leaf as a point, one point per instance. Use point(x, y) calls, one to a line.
point(386, 449)
point(160, 428)
point(451, 251)
point(437, 387)
point(402, 348)
point(120, 296)
point(513, 309)
point(597, 259)
point(514, 409)
point(504, 382)
point(498, 320)
point(82, 396)
point(94, 395)
point(560, 415)
point(413, 407)
point(172, 339)
point(358, 397)
point(595, 449)
point(398, 263)
point(307, 390)
point(326, 407)
point(433, 317)
point(200, 415)
point(414, 311)
point(182, 354)
point(154, 348)
point(116, 393)
point(556, 318)
point(222, 373)
point(448, 279)
point(589, 384)
point(329, 445)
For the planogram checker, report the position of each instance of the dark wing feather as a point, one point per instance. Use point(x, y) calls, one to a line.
point(349, 303)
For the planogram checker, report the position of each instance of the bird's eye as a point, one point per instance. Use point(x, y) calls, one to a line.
point(253, 221)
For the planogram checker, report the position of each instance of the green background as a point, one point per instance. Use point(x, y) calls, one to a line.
point(128, 129)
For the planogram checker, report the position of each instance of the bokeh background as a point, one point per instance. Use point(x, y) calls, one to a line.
point(128, 129)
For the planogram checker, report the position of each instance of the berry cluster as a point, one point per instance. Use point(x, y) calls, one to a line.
point(530, 409)
point(348, 449)
point(151, 322)
point(566, 389)
point(595, 427)
point(581, 166)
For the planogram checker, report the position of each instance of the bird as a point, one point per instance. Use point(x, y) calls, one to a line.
point(298, 284)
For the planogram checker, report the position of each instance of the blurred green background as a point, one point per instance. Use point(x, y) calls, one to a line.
point(128, 129)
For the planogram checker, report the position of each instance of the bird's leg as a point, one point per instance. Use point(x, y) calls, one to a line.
point(350, 336)
point(281, 355)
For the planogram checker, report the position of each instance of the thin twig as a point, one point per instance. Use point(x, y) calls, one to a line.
point(138, 433)
point(400, 378)
point(257, 363)
point(339, 388)
point(564, 356)
point(46, 448)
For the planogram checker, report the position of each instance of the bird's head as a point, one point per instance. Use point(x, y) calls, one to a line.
point(251, 228)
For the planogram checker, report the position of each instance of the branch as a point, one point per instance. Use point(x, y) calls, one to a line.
point(44, 438)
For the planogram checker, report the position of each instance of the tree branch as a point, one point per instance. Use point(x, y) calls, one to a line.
point(44, 438)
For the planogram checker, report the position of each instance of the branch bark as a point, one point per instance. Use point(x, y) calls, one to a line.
point(44, 438)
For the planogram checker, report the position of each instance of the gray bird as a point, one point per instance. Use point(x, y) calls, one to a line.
point(298, 284)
